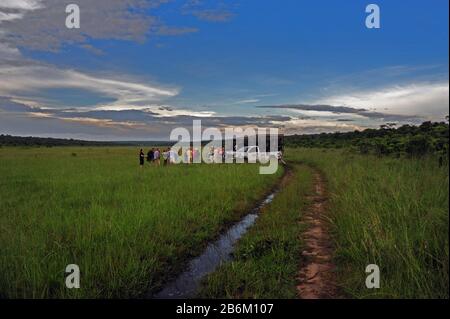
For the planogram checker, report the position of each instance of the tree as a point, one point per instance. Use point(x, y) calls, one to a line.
point(418, 145)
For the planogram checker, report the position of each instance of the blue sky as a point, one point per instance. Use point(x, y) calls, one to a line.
point(136, 76)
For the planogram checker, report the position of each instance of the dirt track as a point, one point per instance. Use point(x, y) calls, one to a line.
point(316, 275)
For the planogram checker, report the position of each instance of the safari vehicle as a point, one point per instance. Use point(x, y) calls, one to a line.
point(254, 154)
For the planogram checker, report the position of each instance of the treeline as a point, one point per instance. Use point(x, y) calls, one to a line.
point(409, 140)
point(8, 140)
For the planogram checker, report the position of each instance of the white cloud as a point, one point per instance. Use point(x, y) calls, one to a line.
point(25, 85)
point(164, 112)
point(16, 9)
point(313, 126)
point(130, 20)
point(101, 122)
point(248, 101)
point(17, 81)
point(427, 99)
point(7, 51)
point(10, 16)
point(21, 4)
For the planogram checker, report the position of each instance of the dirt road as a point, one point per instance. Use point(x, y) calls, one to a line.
point(316, 275)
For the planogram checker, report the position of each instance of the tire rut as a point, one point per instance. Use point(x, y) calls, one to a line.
point(316, 276)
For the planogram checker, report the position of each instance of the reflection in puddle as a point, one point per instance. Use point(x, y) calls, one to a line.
point(186, 284)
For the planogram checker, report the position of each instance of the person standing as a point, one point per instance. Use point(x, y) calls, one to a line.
point(150, 155)
point(217, 155)
point(165, 156)
point(186, 157)
point(211, 154)
point(191, 155)
point(141, 158)
point(172, 156)
point(156, 156)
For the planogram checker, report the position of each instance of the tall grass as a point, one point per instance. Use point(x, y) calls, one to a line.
point(267, 258)
point(127, 228)
point(389, 212)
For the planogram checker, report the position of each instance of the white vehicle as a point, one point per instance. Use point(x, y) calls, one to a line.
point(253, 154)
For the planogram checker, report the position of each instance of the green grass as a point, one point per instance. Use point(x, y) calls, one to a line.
point(267, 257)
point(127, 228)
point(130, 229)
point(389, 212)
point(386, 211)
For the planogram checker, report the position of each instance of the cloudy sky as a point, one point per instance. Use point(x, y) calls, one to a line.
point(136, 69)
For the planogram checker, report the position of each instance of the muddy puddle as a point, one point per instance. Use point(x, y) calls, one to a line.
point(216, 253)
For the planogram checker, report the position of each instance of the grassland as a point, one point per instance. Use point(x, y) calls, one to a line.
point(130, 229)
point(127, 228)
point(392, 212)
point(387, 211)
point(267, 258)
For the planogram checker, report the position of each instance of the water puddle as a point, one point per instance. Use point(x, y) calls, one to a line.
point(218, 252)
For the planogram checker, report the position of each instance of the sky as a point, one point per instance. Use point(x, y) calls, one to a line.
point(137, 69)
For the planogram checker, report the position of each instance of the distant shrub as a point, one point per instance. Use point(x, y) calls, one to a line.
point(410, 140)
point(419, 145)
point(364, 147)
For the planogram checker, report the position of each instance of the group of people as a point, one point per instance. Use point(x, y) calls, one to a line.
point(155, 156)
point(168, 156)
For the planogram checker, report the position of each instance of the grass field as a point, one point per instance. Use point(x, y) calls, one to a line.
point(390, 212)
point(267, 258)
point(127, 228)
point(130, 229)
point(384, 211)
